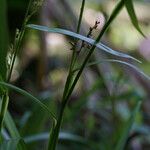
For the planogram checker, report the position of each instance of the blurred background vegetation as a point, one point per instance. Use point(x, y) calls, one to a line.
point(103, 100)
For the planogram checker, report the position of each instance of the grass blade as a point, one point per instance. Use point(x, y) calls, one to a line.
point(131, 12)
point(120, 62)
point(62, 136)
point(13, 131)
point(81, 37)
point(128, 126)
point(28, 95)
point(11, 126)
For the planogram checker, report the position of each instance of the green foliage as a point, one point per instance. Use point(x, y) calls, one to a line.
point(9, 145)
point(37, 120)
point(81, 37)
point(70, 86)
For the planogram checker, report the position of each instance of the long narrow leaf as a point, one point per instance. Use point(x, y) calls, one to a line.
point(14, 132)
point(10, 125)
point(120, 62)
point(131, 12)
point(62, 136)
point(113, 15)
point(28, 95)
point(81, 37)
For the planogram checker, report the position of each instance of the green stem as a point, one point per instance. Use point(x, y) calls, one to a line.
point(18, 44)
point(55, 132)
point(74, 54)
point(107, 24)
point(68, 91)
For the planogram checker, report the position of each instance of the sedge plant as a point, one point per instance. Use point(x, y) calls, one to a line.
point(73, 78)
point(74, 72)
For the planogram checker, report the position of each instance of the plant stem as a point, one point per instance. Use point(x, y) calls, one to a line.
point(115, 12)
point(55, 132)
point(74, 54)
point(21, 34)
point(68, 90)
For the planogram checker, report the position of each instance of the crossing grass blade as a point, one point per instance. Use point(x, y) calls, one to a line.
point(132, 15)
point(119, 62)
point(28, 95)
point(64, 136)
point(14, 134)
point(11, 127)
point(83, 38)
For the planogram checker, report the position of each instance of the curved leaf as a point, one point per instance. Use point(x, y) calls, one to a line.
point(81, 37)
point(117, 61)
point(62, 136)
point(28, 95)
